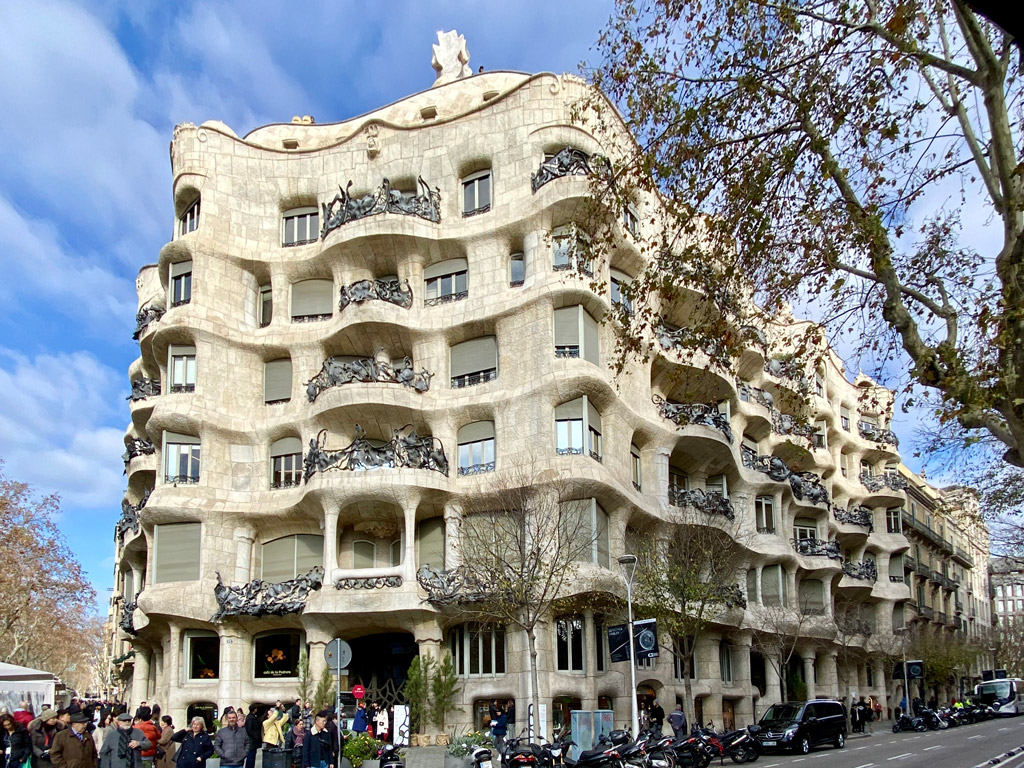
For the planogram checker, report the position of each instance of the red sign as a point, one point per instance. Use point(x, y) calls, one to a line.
point(358, 691)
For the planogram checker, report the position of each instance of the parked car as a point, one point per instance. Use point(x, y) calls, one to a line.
point(800, 725)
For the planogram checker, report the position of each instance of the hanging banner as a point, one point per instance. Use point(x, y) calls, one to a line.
point(618, 642)
point(645, 638)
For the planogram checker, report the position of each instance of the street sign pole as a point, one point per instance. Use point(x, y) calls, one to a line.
point(338, 654)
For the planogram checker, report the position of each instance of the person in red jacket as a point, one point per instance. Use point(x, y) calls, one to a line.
point(145, 724)
point(23, 714)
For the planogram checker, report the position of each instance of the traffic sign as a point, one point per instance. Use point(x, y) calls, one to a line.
point(358, 691)
point(338, 653)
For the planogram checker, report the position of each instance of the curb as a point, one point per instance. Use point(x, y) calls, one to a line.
point(1001, 758)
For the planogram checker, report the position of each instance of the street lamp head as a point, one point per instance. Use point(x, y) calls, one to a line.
point(627, 560)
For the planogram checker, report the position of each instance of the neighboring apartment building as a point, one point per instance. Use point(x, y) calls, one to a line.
point(1007, 576)
point(326, 377)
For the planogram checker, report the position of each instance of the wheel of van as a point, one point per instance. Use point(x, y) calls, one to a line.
point(804, 746)
point(840, 741)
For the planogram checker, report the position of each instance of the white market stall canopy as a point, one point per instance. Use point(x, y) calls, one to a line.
point(19, 684)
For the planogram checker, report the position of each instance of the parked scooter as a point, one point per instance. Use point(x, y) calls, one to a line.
point(389, 757)
point(908, 723)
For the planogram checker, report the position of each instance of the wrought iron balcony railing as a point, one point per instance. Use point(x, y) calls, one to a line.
point(446, 298)
point(711, 502)
point(568, 161)
point(476, 469)
point(393, 291)
point(817, 548)
point(343, 208)
point(143, 388)
point(878, 435)
point(857, 515)
point(865, 570)
point(878, 482)
point(472, 379)
point(336, 372)
point(685, 414)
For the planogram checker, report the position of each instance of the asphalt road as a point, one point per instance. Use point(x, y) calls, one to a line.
point(963, 747)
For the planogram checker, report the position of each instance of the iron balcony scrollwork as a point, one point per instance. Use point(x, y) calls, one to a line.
point(673, 338)
point(805, 485)
point(137, 447)
point(445, 298)
point(343, 208)
point(392, 291)
point(568, 161)
point(878, 482)
point(368, 582)
point(730, 594)
point(405, 449)
point(817, 548)
point(143, 388)
point(865, 570)
point(472, 379)
point(710, 502)
point(749, 393)
point(857, 515)
point(476, 469)
point(784, 424)
point(127, 622)
point(145, 316)
point(788, 368)
point(685, 414)
point(262, 598)
point(130, 516)
point(454, 586)
point(367, 370)
point(878, 435)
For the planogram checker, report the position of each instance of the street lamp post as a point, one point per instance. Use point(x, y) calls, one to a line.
point(902, 632)
point(628, 562)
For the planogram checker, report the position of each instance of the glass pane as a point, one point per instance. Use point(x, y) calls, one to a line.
point(461, 282)
point(483, 191)
point(499, 651)
point(577, 645)
point(314, 225)
point(190, 370)
point(474, 651)
point(517, 271)
point(468, 196)
point(464, 452)
point(562, 629)
point(488, 652)
point(363, 554)
point(576, 439)
point(289, 229)
point(488, 451)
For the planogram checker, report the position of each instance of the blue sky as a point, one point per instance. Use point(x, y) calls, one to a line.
point(91, 93)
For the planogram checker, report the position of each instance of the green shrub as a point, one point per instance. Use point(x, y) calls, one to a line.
point(361, 746)
point(463, 745)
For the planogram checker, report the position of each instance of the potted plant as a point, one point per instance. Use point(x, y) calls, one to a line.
point(460, 748)
point(361, 750)
point(213, 762)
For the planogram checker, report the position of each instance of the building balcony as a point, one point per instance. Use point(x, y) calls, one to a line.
point(961, 556)
point(877, 435)
point(878, 482)
point(817, 548)
point(926, 612)
point(709, 502)
point(865, 570)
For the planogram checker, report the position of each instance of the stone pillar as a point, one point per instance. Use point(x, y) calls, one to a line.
point(140, 675)
point(588, 698)
point(244, 538)
point(712, 663)
point(829, 683)
point(409, 559)
point(173, 659)
point(234, 657)
point(741, 678)
point(773, 686)
point(792, 597)
point(452, 526)
point(757, 597)
point(809, 657)
point(330, 544)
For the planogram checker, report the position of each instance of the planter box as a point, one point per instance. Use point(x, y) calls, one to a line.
point(370, 764)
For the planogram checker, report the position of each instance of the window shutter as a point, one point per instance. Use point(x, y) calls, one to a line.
point(567, 326)
point(621, 276)
point(277, 380)
point(449, 267)
point(478, 430)
point(309, 552)
point(181, 268)
point(176, 552)
point(575, 526)
point(805, 522)
point(312, 297)
point(571, 410)
point(177, 350)
point(430, 543)
point(286, 446)
point(279, 560)
point(129, 586)
point(811, 594)
point(770, 584)
point(174, 437)
point(591, 351)
point(474, 355)
point(593, 416)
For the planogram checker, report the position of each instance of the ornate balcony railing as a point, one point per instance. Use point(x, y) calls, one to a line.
point(127, 622)
point(878, 482)
point(865, 570)
point(567, 350)
point(319, 318)
point(595, 456)
point(857, 515)
point(878, 435)
point(897, 579)
point(476, 469)
point(817, 548)
point(143, 388)
point(472, 379)
point(391, 291)
point(181, 479)
point(367, 370)
point(570, 451)
point(343, 208)
point(790, 368)
point(145, 316)
point(569, 161)
point(182, 389)
point(730, 594)
point(766, 529)
point(368, 582)
point(961, 554)
point(674, 338)
point(853, 627)
point(710, 502)
point(446, 298)
point(685, 414)
point(136, 447)
point(130, 517)
point(750, 393)
point(803, 484)
point(405, 449)
point(294, 480)
point(784, 424)
point(261, 598)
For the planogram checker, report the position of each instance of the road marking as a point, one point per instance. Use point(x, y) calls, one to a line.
point(900, 757)
point(979, 736)
point(860, 747)
point(866, 765)
point(937, 746)
point(1004, 729)
point(799, 759)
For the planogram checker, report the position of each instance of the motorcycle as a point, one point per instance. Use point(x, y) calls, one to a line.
point(908, 723)
point(389, 757)
point(932, 720)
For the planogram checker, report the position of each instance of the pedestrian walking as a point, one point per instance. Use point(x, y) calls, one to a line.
point(15, 743)
point(195, 746)
point(677, 719)
point(145, 724)
point(123, 745)
point(73, 747)
point(510, 714)
point(42, 732)
point(254, 731)
point(657, 717)
point(316, 746)
point(165, 747)
point(499, 729)
point(231, 743)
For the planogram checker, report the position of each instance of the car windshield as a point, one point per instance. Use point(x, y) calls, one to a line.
point(781, 712)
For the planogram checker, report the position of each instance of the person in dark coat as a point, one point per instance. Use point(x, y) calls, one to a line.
point(316, 746)
point(293, 741)
point(254, 732)
point(359, 721)
point(15, 743)
point(73, 747)
point(122, 747)
point(43, 731)
point(196, 746)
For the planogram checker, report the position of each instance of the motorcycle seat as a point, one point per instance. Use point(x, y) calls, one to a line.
point(589, 755)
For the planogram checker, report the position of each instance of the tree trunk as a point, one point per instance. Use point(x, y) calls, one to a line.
point(533, 710)
point(783, 685)
point(687, 690)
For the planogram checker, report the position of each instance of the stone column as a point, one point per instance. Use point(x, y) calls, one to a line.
point(244, 538)
point(317, 637)
point(234, 655)
point(773, 686)
point(712, 663)
point(330, 544)
point(741, 678)
point(409, 559)
point(829, 686)
point(140, 675)
point(808, 657)
point(792, 597)
point(173, 659)
point(452, 525)
point(588, 698)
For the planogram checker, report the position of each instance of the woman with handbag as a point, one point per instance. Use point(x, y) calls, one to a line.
point(15, 744)
point(165, 748)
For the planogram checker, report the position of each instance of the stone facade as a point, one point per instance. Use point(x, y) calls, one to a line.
point(248, 329)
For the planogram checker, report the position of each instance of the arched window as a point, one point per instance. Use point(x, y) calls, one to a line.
point(578, 429)
point(476, 448)
point(285, 558)
point(286, 463)
point(576, 334)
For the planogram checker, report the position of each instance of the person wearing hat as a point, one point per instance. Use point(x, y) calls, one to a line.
point(73, 747)
point(122, 747)
point(43, 731)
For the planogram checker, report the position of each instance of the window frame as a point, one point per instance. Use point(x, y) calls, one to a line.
point(309, 215)
point(575, 627)
point(890, 518)
point(468, 645)
point(188, 221)
point(485, 464)
point(577, 255)
point(764, 509)
point(373, 558)
point(472, 181)
point(514, 258)
point(437, 292)
point(182, 280)
point(631, 220)
point(286, 467)
point(189, 367)
point(172, 444)
point(265, 305)
point(636, 467)
point(295, 570)
point(190, 635)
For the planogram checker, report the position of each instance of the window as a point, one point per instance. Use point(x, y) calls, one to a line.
point(576, 334)
point(844, 464)
point(764, 511)
point(819, 385)
point(202, 655)
point(569, 644)
point(477, 649)
point(364, 554)
point(181, 283)
point(312, 300)
point(634, 465)
point(812, 597)
point(620, 285)
point(476, 448)
point(571, 250)
point(176, 552)
point(291, 556)
point(265, 310)
point(277, 381)
point(820, 435)
point(892, 469)
point(866, 469)
point(286, 463)
point(277, 655)
point(395, 553)
point(181, 458)
point(430, 543)
point(474, 362)
point(600, 652)
point(630, 222)
point(476, 193)
point(516, 270)
point(717, 484)
point(844, 418)
point(725, 661)
point(181, 364)
point(578, 429)
point(681, 647)
point(894, 520)
point(773, 586)
point(300, 226)
point(585, 523)
point(678, 480)
point(189, 220)
point(805, 528)
point(445, 281)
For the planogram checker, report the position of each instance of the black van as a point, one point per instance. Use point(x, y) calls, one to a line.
point(800, 725)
